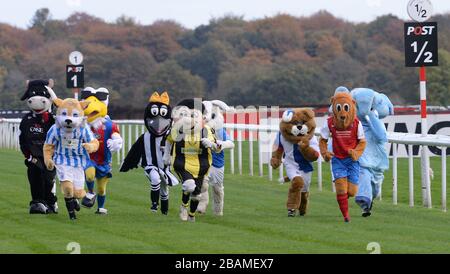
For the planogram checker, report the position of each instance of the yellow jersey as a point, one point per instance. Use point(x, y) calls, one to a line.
point(189, 156)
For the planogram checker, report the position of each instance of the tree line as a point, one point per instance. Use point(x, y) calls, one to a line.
point(281, 60)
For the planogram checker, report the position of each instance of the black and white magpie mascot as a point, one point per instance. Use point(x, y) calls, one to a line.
point(149, 149)
point(33, 131)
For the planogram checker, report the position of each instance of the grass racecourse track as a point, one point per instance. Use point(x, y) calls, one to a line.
point(255, 219)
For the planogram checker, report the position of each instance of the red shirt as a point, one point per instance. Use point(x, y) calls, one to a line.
point(103, 154)
point(345, 139)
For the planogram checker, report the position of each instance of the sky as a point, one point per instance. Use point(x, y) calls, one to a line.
point(192, 13)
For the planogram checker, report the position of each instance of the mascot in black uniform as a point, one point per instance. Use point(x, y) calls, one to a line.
point(149, 149)
point(33, 131)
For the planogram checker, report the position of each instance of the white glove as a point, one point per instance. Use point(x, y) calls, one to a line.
point(114, 144)
point(209, 144)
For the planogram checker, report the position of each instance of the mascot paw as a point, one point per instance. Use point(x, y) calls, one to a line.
point(89, 147)
point(50, 164)
point(303, 144)
point(327, 156)
point(275, 162)
point(352, 153)
point(208, 143)
point(114, 144)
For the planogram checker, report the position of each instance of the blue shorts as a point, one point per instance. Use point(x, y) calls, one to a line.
point(100, 170)
point(346, 167)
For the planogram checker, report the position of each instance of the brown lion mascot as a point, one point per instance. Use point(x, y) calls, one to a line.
point(347, 135)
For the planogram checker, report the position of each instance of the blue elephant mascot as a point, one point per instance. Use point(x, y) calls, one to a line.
point(372, 107)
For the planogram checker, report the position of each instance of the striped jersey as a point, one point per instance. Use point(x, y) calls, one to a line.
point(153, 150)
point(189, 155)
point(68, 145)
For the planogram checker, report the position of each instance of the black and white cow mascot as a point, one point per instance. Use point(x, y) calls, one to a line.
point(33, 131)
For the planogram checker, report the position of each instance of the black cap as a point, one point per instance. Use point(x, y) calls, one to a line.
point(36, 88)
point(190, 103)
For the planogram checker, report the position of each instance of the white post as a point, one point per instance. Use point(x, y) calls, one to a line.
point(394, 174)
point(122, 129)
point(444, 178)
point(260, 156)
point(426, 183)
point(240, 151)
point(129, 136)
point(118, 156)
point(319, 172)
point(232, 152)
point(250, 151)
point(136, 132)
point(411, 175)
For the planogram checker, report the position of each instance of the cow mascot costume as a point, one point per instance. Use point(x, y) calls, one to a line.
point(149, 149)
point(372, 107)
point(67, 147)
point(189, 149)
point(299, 147)
point(33, 130)
point(107, 133)
point(347, 134)
point(214, 119)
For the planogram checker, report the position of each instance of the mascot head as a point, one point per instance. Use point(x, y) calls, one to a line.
point(336, 91)
point(188, 116)
point(344, 110)
point(158, 114)
point(368, 100)
point(98, 104)
point(70, 114)
point(37, 96)
point(298, 124)
point(383, 106)
point(213, 114)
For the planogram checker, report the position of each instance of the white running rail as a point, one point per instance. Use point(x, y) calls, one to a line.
point(132, 129)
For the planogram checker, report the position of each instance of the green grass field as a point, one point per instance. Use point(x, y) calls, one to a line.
point(255, 219)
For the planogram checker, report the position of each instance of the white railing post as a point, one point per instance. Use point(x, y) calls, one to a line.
point(129, 137)
point(260, 155)
point(232, 152)
point(444, 178)
point(122, 130)
point(239, 131)
point(319, 173)
point(250, 151)
point(269, 165)
point(411, 175)
point(394, 174)
point(136, 133)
